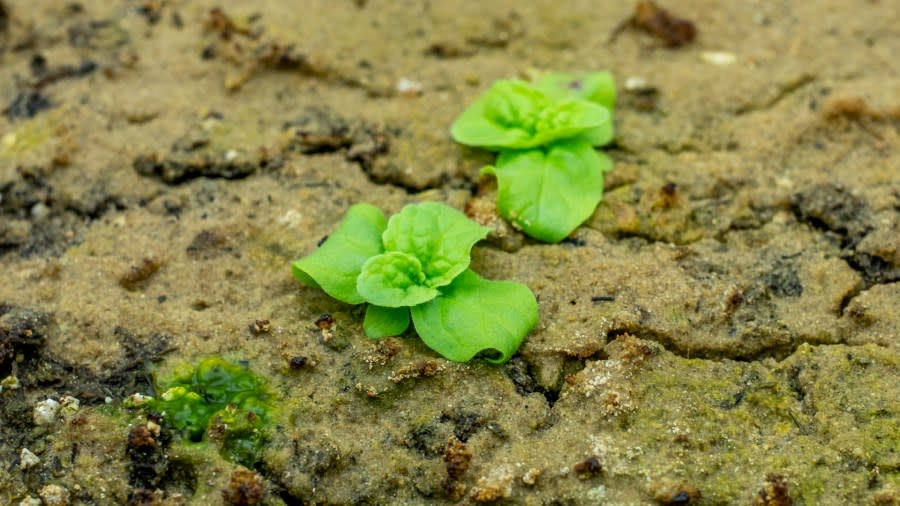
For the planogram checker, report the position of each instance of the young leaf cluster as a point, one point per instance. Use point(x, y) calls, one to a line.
point(549, 176)
point(415, 267)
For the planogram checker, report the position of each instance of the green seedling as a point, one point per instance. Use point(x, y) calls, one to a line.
point(514, 114)
point(415, 267)
point(549, 177)
point(220, 401)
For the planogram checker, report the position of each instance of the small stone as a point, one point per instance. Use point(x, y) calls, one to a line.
point(54, 495)
point(138, 399)
point(636, 83)
point(530, 477)
point(27, 460)
point(69, 405)
point(10, 382)
point(39, 211)
point(30, 501)
point(409, 88)
point(718, 57)
point(45, 412)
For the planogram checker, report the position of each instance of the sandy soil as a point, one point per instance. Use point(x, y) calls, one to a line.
point(724, 330)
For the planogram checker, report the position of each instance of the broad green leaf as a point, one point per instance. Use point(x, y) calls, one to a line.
point(600, 136)
point(597, 87)
point(503, 117)
point(474, 315)
point(394, 279)
point(440, 237)
point(549, 192)
point(337, 263)
point(385, 321)
point(513, 114)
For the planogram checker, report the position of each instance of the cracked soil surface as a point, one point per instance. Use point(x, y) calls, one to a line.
point(725, 329)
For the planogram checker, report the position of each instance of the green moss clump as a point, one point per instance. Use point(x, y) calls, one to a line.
point(221, 401)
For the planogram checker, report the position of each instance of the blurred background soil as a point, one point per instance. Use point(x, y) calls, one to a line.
point(724, 330)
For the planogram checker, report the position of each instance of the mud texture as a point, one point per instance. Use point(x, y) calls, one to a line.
point(725, 329)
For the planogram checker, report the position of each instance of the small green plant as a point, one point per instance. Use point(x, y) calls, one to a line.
point(549, 176)
point(221, 401)
point(416, 267)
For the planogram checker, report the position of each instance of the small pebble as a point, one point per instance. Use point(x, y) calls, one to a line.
point(409, 87)
point(30, 501)
point(27, 460)
point(138, 399)
point(45, 412)
point(10, 382)
point(718, 57)
point(54, 495)
point(69, 404)
point(636, 83)
point(39, 211)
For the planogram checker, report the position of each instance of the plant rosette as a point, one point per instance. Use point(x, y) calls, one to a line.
point(549, 176)
point(415, 267)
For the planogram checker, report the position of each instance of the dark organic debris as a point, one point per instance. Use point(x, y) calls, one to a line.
point(856, 108)
point(847, 219)
point(45, 75)
point(783, 281)
point(26, 105)
point(677, 494)
point(138, 275)
point(774, 492)
point(152, 10)
point(226, 26)
point(456, 459)
point(671, 30)
point(874, 269)
point(833, 208)
point(22, 332)
point(177, 170)
point(321, 130)
point(298, 362)
point(445, 50)
point(588, 467)
point(643, 98)
point(259, 327)
point(104, 34)
point(208, 244)
point(4, 17)
point(245, 488)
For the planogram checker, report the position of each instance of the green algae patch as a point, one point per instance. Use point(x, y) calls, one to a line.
point(221, 402)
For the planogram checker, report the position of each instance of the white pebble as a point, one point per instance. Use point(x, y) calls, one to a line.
point(636, 83)
point(45, 412)
point(409, 87)
point(27, 459)
point(718, 57)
